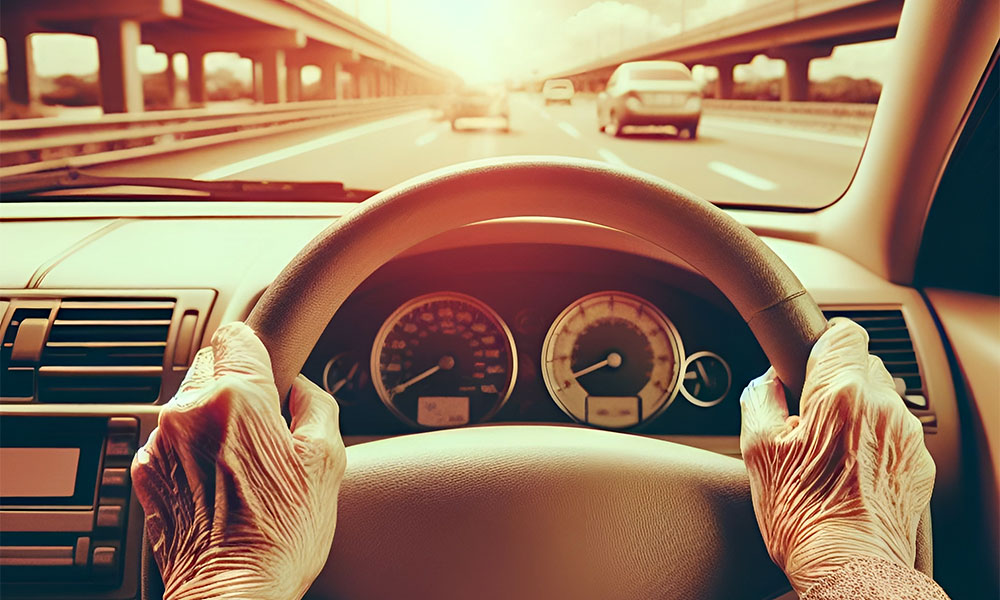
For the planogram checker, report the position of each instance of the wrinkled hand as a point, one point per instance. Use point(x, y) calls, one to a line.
point(236, 504)
point(848, 478)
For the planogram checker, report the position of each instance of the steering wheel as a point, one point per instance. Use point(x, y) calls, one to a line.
point(542, 512)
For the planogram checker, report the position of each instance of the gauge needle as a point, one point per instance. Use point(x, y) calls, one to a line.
point(702, 372)
point(614, 360)
point(343, 382)
point(445, 364)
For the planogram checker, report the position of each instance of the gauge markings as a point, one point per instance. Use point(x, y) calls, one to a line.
point(457, 349)
point(612, 360)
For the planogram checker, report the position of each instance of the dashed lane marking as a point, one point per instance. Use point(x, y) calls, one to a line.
point(569, 129)
point(610, 157)
point(748, 179)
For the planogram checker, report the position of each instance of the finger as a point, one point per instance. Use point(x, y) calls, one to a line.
point(764, 410)
point(240, 353)
point(315, 414)
point(838, 357)
point(879, 375)
point(201, 372)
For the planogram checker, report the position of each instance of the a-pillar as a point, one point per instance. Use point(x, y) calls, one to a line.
point(330, 80)
point(272, 66)
point(20, 60)
point(196, 78)
point(795, 84)
point(293, 81)
point(121, 82)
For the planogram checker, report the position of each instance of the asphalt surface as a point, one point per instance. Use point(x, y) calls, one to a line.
point(732, 161)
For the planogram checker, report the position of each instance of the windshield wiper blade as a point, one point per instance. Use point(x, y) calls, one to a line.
point(26, 186)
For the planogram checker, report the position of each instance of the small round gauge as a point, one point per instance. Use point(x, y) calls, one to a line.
point(344, 377)
point(612, 360)
point(707, 379)
point(444, 360)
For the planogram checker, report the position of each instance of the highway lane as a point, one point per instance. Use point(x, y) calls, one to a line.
point(732, 161)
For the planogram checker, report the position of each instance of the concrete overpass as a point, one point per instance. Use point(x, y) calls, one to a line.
point(279, 36)
point(796, 31)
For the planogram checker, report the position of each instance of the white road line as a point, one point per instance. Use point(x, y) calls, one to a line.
point(545, 113)
point(802, 134)
point(569, 129)
point(428, 137)
point(327, 140)
point(611, 157)
point(742, 176)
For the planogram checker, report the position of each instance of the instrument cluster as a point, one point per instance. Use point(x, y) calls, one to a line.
point(399, 358)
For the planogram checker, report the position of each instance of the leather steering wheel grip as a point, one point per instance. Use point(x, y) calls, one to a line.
point(297, 307)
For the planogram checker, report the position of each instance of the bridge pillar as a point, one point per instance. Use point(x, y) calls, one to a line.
point(20, 60)
point(272, 66)
point(293, 82)
point(724, 84)
point(121, 82)
point(795, 84)
point(170, 76)
point(196, 78)
point(330, 80)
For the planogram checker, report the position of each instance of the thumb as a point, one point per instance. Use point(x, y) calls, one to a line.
point(764, 410)
point(315, 419)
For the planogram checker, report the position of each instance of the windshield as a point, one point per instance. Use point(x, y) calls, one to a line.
point(373, 92)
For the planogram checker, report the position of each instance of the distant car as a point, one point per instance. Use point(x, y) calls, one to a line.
point(480, 102)
point(558, 90)
point(656, 92)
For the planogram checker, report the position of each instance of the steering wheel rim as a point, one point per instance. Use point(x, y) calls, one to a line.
point(296, 308)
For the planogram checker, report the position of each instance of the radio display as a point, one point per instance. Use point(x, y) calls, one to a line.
point(50, 461)
point(38, 472)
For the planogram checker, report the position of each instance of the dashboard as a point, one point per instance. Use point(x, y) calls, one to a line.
point(103, 306)
point(536, 333)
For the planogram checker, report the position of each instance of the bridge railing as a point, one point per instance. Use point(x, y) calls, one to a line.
point(32, 145)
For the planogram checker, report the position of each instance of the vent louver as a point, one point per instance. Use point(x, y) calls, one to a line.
point(112, 334)
point(889, 339)
point(105, 351)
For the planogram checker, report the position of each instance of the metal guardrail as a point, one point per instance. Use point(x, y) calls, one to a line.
point(32, 145)
point(841, 115)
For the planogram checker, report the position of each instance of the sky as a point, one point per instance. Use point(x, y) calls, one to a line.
point(491, 40)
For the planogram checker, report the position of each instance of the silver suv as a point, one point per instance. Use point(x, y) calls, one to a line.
point(653, 92)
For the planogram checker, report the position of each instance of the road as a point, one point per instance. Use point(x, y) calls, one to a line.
point(732, 161)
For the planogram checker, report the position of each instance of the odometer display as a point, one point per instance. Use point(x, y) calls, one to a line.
point(444, 360)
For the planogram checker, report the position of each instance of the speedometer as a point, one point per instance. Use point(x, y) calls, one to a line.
point(612, 360)
point(444, 360)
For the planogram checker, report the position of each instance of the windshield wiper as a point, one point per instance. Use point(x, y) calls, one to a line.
point(26, 187)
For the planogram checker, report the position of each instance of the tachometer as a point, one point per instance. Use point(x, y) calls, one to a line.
point(444, 360)
point(612, 359)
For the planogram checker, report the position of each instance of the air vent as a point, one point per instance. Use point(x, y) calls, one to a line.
point(889, 339)
point(17, 379)
point(105, 351)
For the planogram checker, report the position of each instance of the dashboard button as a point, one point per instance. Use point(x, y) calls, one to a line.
point(123, 425)
point(116, 477)
point(81, 551)
point(105, 558)
point(110, 516)
point(121, 445)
